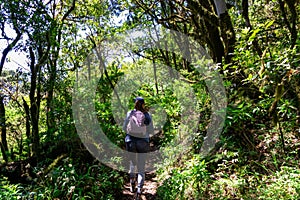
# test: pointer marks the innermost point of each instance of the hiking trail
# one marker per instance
(149, 189)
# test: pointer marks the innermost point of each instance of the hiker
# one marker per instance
(137, 141)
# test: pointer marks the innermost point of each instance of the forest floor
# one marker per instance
(149, 189)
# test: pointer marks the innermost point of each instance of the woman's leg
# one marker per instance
(142, 148)
(131, 147)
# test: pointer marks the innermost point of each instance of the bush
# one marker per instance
(190, 182)
(69, 181)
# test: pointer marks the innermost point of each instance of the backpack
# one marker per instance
(136, 126)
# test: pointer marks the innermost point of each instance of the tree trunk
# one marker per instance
(8, 49)
(34, 109)
(228, 35)
(155, 74)
(245, 14)
(207, 27)
(3, 152)
(291, 24)
(27, 113)
(3, 123)
(216, 44)
(294, 18)
(227, 30)
(55, 40)
(4, 146)
(51, 126)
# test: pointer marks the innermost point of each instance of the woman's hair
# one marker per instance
(138, 105)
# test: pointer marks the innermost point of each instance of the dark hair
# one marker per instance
(138, 105)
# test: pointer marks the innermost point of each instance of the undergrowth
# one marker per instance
(232, 173)
(68, 180)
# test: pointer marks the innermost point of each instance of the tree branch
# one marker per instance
(8, 49)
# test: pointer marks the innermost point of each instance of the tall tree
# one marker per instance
(8, 16)
(58, 23)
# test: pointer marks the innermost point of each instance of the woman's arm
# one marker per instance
(126, 121)
(149, 124)
(148, 119)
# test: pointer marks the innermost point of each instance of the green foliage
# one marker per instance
(239, 114)
(228, 174)
(70, 180)
(284, 184)
(94, 183)
(187, 182)
(9, 191)
(173, 188)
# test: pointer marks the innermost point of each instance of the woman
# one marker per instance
(138, 145)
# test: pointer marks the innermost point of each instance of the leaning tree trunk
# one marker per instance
(207, 24)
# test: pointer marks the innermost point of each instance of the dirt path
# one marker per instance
(149, 189)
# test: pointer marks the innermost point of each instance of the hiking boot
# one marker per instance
(138, 194)
(139, 191)
(132, 186)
